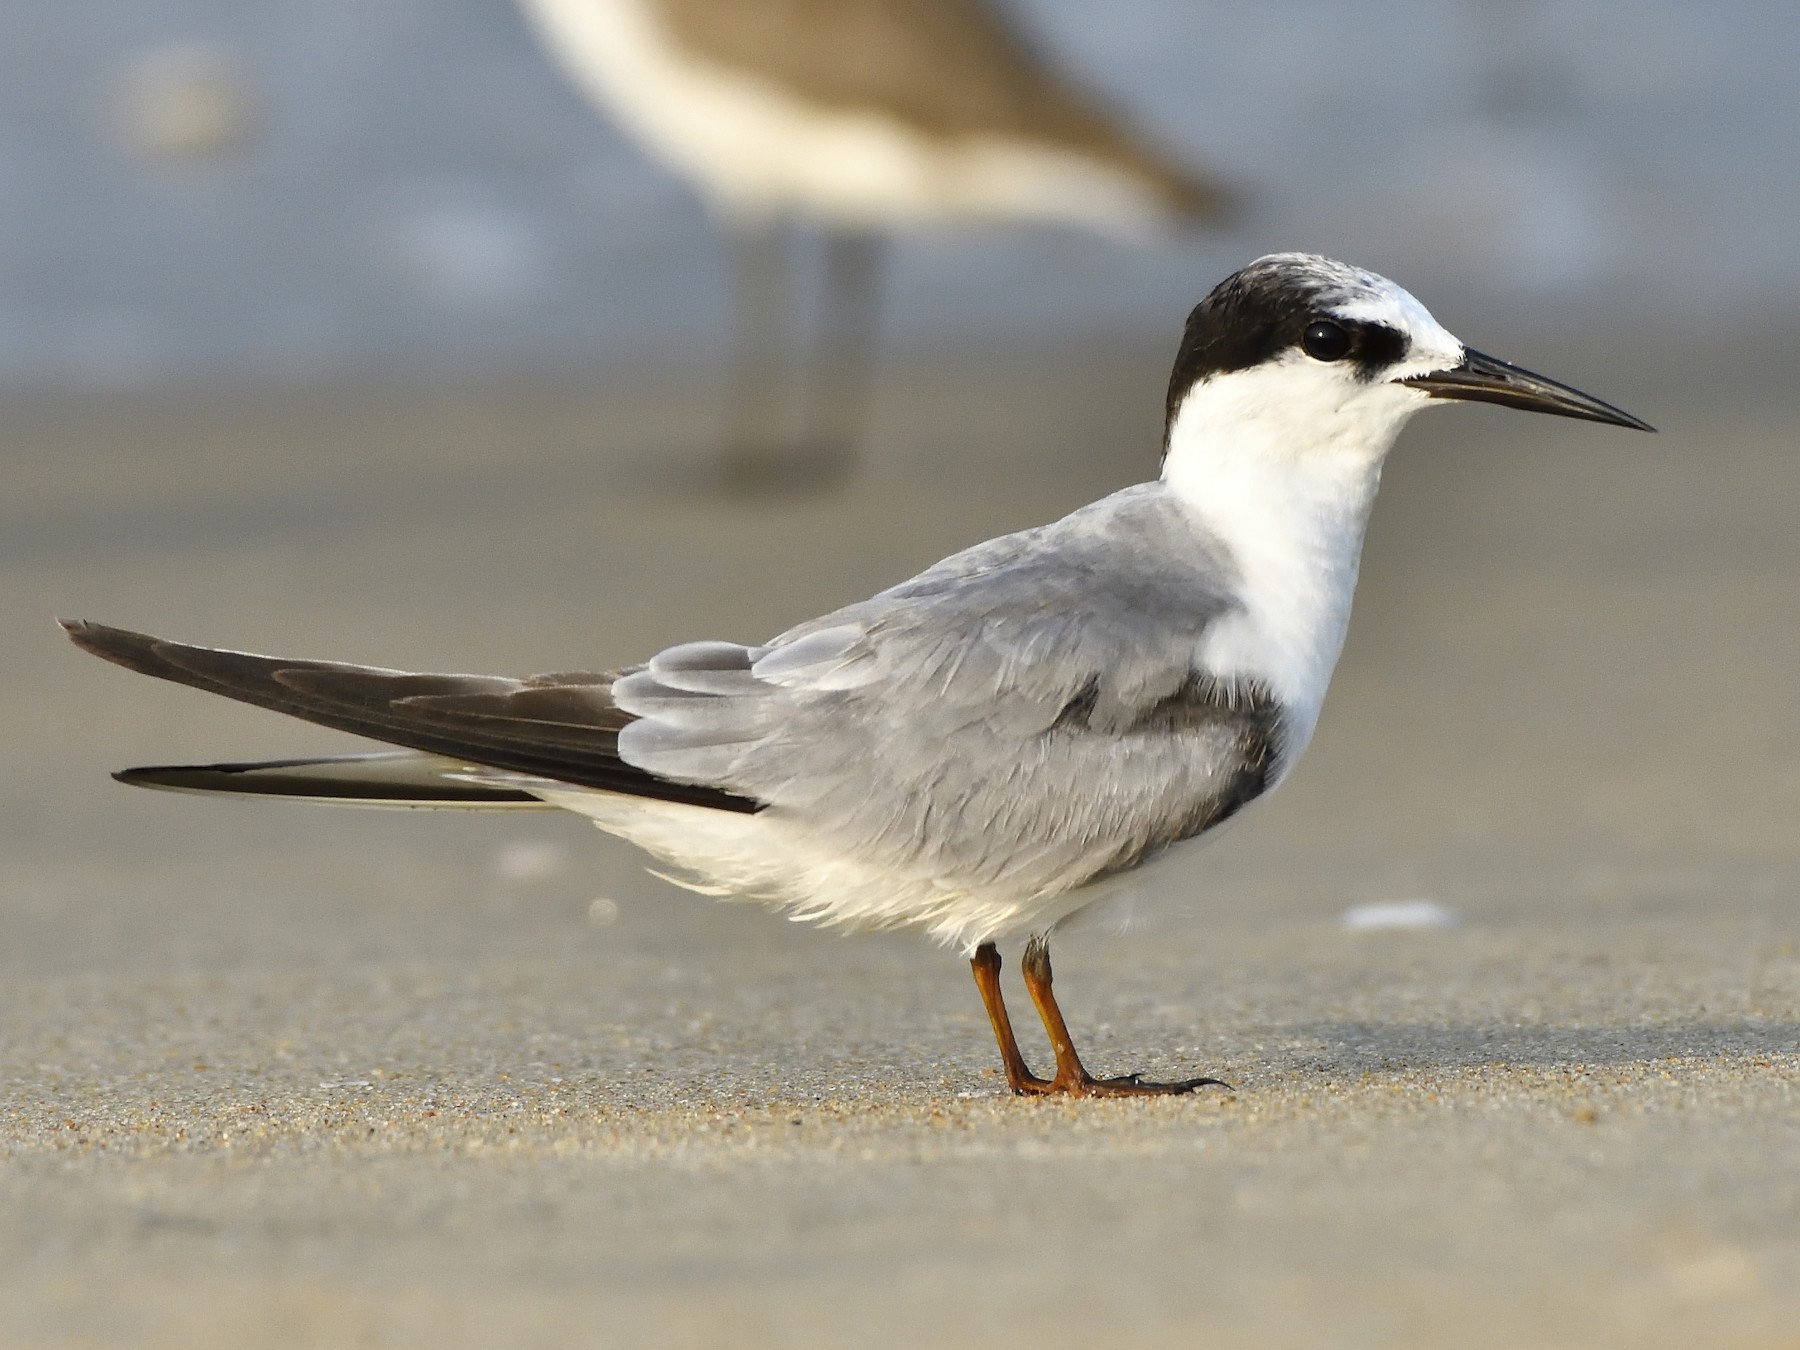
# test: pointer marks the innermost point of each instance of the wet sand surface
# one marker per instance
(309, 1077)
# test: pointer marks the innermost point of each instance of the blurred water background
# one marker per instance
(197, 192)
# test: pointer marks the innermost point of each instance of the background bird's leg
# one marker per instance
(754, 453)
(986, 965)
(1071, 1077)
(844, 350)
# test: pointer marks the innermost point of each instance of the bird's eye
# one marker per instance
(1326, 341)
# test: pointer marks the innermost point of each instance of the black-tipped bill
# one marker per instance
(1487, 379)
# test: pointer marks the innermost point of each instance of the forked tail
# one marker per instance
(395, 779)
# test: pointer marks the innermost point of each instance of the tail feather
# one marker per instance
(562, 728)
(398, 779)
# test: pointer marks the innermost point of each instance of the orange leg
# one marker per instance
(1019, 1077)
(1072, 1079)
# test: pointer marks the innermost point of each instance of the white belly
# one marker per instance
(765, 859)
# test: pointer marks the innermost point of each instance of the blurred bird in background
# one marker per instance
(862, 116)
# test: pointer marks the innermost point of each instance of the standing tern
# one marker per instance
(978, 751)
(863, 116)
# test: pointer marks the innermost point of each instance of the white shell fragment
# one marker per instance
(1388, 914)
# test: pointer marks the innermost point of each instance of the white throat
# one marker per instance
(1283, 472)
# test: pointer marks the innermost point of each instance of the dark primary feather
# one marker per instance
(463, 717)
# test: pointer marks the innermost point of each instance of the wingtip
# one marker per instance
(84, 633)
(121, 646)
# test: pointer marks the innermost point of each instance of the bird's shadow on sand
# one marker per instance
(1355, 1047)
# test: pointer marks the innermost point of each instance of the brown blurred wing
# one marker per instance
(950, 68)
(559, 727)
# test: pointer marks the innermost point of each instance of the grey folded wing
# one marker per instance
(1027, 714)
(559, 727)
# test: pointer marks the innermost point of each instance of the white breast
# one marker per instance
(756, 148)
(1292, 508)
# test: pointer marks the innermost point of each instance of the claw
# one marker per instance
(1072, 1078)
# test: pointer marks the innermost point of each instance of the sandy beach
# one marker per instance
(278, 1076)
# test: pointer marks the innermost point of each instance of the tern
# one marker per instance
(986, 749)
(863, 116)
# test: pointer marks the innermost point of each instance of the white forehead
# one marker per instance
(1367, 297)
